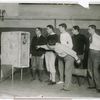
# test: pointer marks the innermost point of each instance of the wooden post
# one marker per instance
(55, 23)
(21, 73)
(12, 73)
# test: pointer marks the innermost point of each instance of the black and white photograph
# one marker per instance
(50, 50)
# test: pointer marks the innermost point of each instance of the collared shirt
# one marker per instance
(95, 45)
(39, 36)
(66, 39)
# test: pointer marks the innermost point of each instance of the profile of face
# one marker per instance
(38, 32)
(49, 30)
(61, 29)
(90, 30)
(74, 31)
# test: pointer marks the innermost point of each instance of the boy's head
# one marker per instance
(91, 29)
(62, 27)
(50, 28)
(75, 29)
(38, 31)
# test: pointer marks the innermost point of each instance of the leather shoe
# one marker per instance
(51, 83)
(48, 81)
(91, 87)
(65, 89)
(32, 79)
(98, 90)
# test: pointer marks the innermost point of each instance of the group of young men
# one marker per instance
(72, 47)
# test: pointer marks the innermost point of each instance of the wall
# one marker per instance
(42, 15)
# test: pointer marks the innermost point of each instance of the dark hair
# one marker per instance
(92, 26)
(40, 29)
(76, 27)
(63, 25)
(51, 27)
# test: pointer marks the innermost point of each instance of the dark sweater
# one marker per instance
(79, 42)
(52, 40)
(35, 42)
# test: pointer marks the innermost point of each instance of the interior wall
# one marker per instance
(59, 11)
(42, 15)
(44, 23)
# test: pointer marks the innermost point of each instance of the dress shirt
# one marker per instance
(66, 39)
(95, 45)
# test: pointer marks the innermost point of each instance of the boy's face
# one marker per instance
(74, 31)
(37, 32)
(61, 29)
(90, 30)
(49, 30)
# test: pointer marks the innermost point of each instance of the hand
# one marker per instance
(30, 55)
(51, 47)
(37, 47)
(78, 61)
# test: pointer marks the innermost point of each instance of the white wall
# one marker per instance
(60, 11)
(74, 14)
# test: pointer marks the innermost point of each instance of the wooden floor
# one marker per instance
(29, 88)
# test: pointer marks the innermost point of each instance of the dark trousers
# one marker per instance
(94, 68)
(37, 66)
(37, 62)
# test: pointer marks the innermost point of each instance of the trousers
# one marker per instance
(37, 62)
(50, 64)
(94, 68)
(67, 71)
